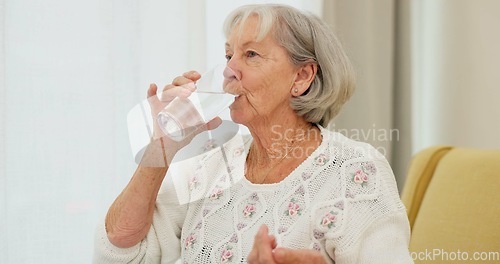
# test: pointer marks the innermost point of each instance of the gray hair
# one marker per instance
(307, 39)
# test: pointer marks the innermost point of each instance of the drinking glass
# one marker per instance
(208, 100)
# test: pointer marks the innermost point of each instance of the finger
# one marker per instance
(181, 80)
(188, 86)
(253, 256)
(285, 255)
(152, 90)
(151, 95)
(274, 243)
(214, 123)
(192, 75)
(170, 92)
(282, 255)
(258, 239)
(264, 246)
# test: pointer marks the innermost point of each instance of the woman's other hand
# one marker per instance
(265, 251)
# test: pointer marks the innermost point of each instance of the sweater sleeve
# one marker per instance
(376, 226)
(161, 244)
(105, 252)
(385, 241)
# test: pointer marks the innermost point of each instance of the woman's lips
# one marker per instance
(236, 98)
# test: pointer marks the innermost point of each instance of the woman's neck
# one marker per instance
(272, 139)
(279, 147)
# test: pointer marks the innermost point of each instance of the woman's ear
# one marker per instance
(304, 78)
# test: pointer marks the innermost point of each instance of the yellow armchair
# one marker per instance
(453, 200)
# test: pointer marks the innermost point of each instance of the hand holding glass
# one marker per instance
(204, 104)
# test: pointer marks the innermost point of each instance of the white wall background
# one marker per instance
(70, 72)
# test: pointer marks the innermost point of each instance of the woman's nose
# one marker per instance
(231, 74)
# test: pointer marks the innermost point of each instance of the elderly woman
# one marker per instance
(305, 195)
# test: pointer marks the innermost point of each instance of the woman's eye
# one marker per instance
(228, 57)
(251, 54)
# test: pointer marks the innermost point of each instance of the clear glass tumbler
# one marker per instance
(208, 100)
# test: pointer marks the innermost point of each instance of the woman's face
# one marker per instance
(267, 75)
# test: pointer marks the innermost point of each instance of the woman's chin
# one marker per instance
(238, 117)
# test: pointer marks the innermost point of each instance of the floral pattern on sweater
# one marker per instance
(321, 205)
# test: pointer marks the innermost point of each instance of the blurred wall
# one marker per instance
(456, 87)
(376, 36)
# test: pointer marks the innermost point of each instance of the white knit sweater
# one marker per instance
(341, 201)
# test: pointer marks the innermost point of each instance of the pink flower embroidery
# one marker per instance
(321, 159)
(329, 219)
(189, 241)
(249, 210)
(360, 177)
(226, 255)
(216, 193)
(293, 208)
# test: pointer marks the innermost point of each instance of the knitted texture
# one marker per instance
(341, 201)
